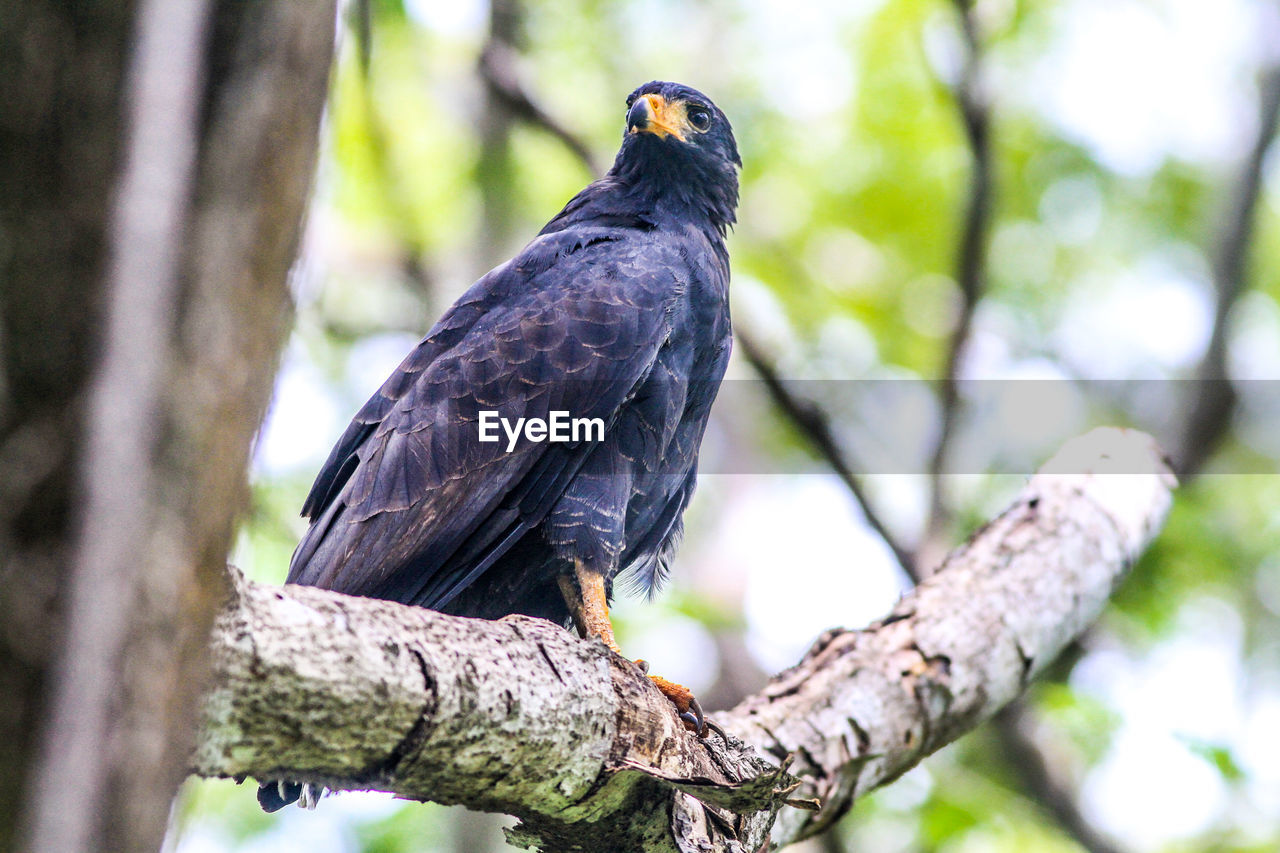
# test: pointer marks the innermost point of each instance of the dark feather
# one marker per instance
(618, 310)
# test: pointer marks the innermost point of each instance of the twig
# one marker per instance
(403, 221)
(975, 115)
(1023, 753)
(1215, 399)
(495, 169)
(362, 23)
(814, 425)
(498, 71)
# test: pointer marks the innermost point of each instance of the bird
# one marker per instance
(616, 315)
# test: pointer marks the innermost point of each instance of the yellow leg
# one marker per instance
(584, 592)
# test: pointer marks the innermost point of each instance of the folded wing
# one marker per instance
(411, 506)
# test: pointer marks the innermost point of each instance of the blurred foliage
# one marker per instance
(856, 174)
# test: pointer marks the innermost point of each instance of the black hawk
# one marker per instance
(618, 310)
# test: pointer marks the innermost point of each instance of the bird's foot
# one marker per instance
(588, 601)
(686, 703)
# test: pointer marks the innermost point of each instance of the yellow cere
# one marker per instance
(667, 117)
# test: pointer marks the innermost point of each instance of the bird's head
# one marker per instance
(678, 145)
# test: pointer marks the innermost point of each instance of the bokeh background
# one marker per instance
(951, 201)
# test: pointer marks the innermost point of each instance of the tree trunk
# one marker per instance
(167, 149)
(60, 72)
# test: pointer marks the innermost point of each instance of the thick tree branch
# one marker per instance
(521, 717)
(865, 706)
(1021, 751)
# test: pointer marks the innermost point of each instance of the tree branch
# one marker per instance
(1021, 751)
(975, 115)
(519, 716)
(1215, 399)
(498, 70)
(813, 423)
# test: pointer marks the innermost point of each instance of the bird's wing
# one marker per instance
(411, 506)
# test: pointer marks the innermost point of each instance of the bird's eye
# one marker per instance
(631, 99)
(699, 119)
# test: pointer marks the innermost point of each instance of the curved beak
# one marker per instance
(651, 114)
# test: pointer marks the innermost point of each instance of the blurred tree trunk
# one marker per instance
(60, 72)
(495, 169)
(163, 152)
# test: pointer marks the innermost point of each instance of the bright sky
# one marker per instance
(1139, 81)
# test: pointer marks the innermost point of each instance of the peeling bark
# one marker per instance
(521, 717)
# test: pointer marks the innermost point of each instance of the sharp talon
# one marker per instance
(644, 665)
(700, 720)
(689, 719)
(715, 727)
